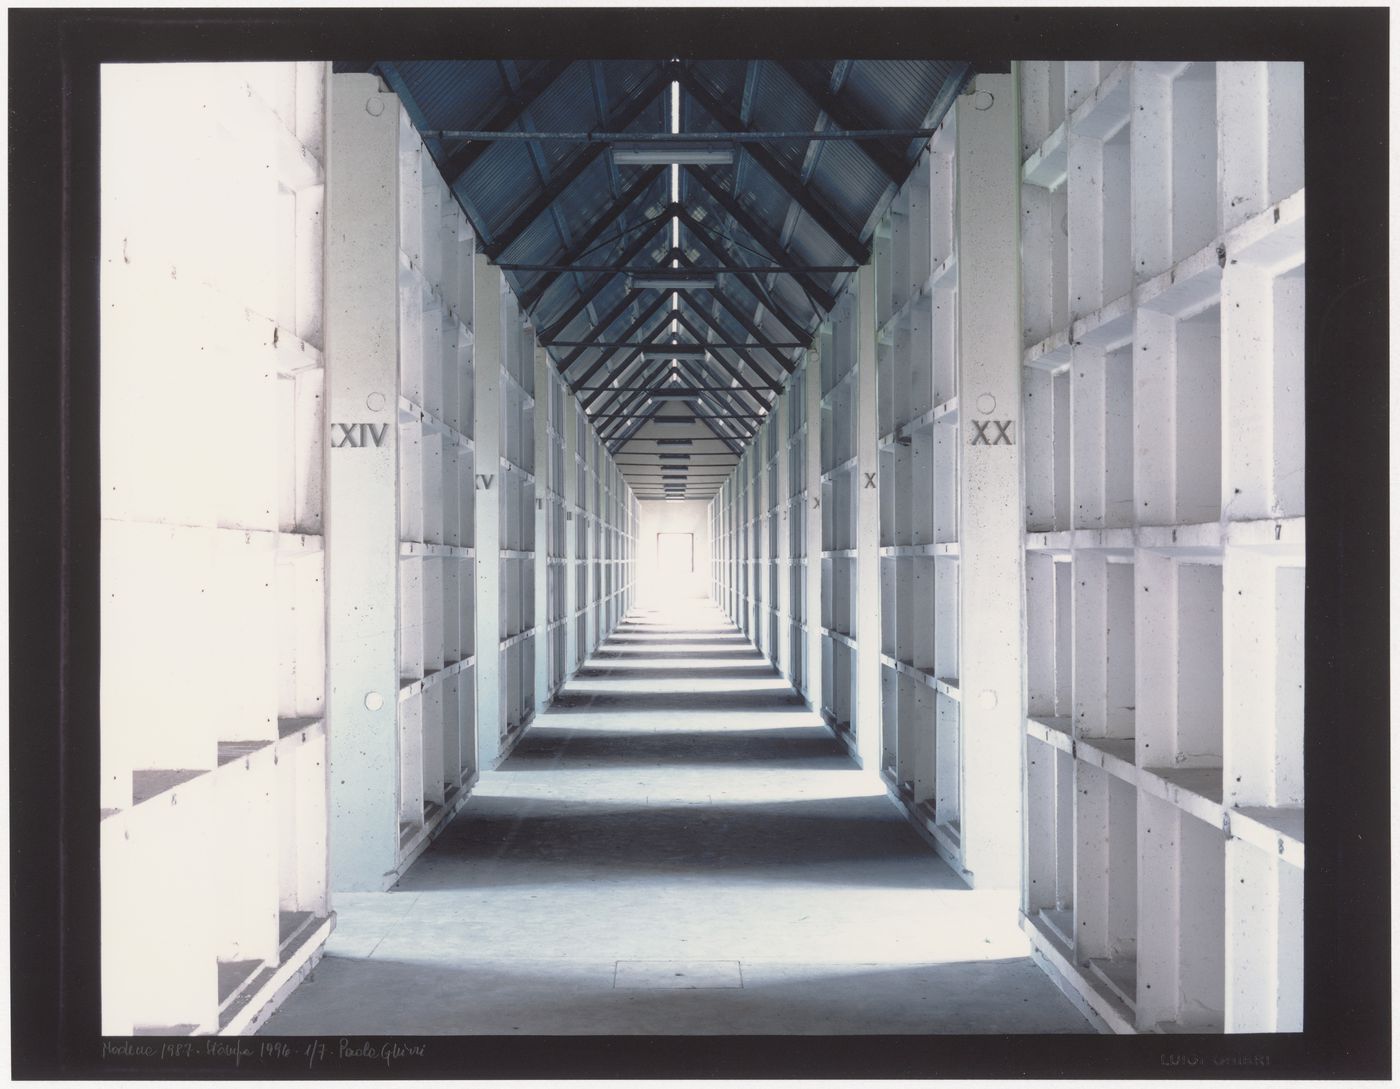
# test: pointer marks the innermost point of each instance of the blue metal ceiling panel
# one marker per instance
(538, 242)
(723, 78)
(848, 181)
(500, 183)
(789, 294)
(504, 177)
(897, 93)
(811, 244)
(568, 105)
(588, 198)
(780, 106)
(622, 78)
(453, 93)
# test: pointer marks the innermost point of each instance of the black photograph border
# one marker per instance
(55, 502)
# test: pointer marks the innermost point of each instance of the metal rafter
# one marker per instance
(623, 436)
(891, 164)
(600, 330)
(522, 98)
(687, 344)
(694, 459)
(597, 84)
(768, 380)
(629, 403)
(776, 250)
(648, 386)
(622, 369)
(749, 280)
(821, 215)
(615, 433)
(744, 320)
(761, 339)
(729, 443)
(588, 294)
(693, 410)
(755, 287)
(679, 391)
(611, 137)
(832, 85)
(727, 266)
(511, 77)
(535, 291)
(573, 168)
(729, 369)
(634, 472)
(727, 400)
(733, 444)
(605, 359)
(617, 442)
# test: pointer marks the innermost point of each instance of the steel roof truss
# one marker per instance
(776, 250)
(822, 216)
(571, 169)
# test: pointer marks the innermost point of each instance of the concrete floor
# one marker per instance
(677, 846)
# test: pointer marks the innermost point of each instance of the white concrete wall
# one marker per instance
(213, 698)
(1165, 538)
(670, 516)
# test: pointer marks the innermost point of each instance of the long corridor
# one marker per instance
(677, 846)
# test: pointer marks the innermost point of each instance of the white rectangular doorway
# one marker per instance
(675, 556)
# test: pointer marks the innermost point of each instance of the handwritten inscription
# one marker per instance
(1188, 1058)
(262, 1053)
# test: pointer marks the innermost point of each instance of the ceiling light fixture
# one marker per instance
(674, 352)
(678, 154)
(668, 281)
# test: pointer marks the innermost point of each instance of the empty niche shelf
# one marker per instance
(1164, 535)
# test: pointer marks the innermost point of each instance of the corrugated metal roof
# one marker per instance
(500, 183)
(532, 202)
(849, 181)
(780, 106)
(465, 91)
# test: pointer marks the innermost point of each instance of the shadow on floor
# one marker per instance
(675, 830)
(799, 748)
(539, 997)
(668, 674)
(854, 842)
(641, 654)
(636, 639)
(745, 701)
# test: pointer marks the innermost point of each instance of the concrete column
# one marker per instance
(486, 355)
(989, 600)
(543, 502)
(763, 591)
(784, 556)
(362, 487)
(570, 487)
(741, 543)
(812, 392)
(760, 494)
(866, 717)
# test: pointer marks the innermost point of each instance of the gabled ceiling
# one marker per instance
(530, 150)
